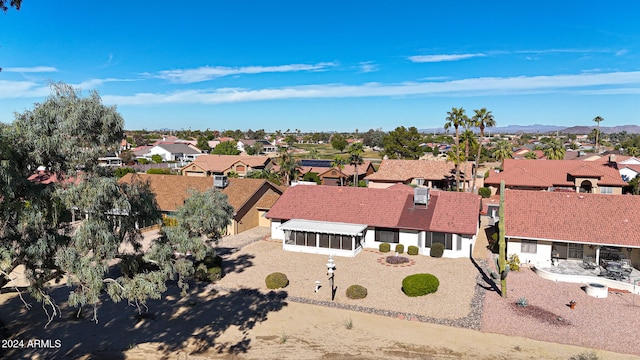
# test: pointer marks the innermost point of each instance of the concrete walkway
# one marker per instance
(232, 243)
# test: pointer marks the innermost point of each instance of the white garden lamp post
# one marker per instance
(331, 268)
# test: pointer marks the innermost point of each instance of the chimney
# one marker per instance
(612, 158)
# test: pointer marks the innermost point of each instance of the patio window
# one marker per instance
(388, 235)
(445, 239)
(324, 241)
(528, 246)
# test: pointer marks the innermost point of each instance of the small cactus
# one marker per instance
(522, 302)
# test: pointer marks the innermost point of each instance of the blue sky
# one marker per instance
(328, 65)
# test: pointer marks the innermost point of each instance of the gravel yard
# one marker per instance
(249, 266)
(612, 323)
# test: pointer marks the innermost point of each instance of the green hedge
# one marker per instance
(385, 247)
(420, 284)
(412, 250)
(437, 250)
(356, 292)
(276, 280)
(399, 248)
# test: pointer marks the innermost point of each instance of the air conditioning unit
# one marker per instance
(421, 196)
(420, 181)
(220, 181)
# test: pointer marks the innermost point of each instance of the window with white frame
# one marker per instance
(606, 190)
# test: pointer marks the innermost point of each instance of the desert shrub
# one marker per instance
(276, 280)
(209, 268)
(397, 260)
(356, 292)
(420, 284)
(412, 250)
(165, 171)
(214, 273)
(585, 356)
(385, 247)
(514, 262)
(485, 192)
(399, 248)
(437, 250)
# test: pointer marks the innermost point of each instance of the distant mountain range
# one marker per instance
(547, 129)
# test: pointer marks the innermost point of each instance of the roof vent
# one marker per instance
(220, 181)
(421, 196)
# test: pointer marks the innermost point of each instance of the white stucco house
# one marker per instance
(173, 152)
(541, 226)
(337, 220)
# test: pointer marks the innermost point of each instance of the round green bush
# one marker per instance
(214, 274)
(420, 284)
(485, 192)
(437, 250)
(412, 250)
(399, 248)
(356, 292)
(276, 280)
(385, 247)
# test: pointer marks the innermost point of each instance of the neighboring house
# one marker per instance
(266, 146)
(207, 165)
(250, 198)
(344, 220)
(539, 224)
(433, 174)
(173, 152)
(628, 166)
(331, 175)
(558, 175)
(110, 160)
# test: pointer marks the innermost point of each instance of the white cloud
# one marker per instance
(22, 89)
(35, 69)
(442, 57)
(94, 83)
(211, 72)
(368, 66)
(618, 82)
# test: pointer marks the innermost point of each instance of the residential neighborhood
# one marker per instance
(305, 180)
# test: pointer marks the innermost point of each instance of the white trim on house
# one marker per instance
(324, 227)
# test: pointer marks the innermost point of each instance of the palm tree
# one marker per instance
(455, 156)
(339, 162)
(355, 159)
(455, 118)
(633, 151)
(598, 119)
(482, 119)
(470, 142)
(554, 150)
(289, 166)
(503, 150)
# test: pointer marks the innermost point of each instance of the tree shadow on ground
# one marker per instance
(236, 264)
(489, 283)
(192, 324)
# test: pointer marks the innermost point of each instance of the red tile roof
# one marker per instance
(406, 170)
(172, 190)
(573, 217)
(546, 173)
(221, 163)
(393, 208)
